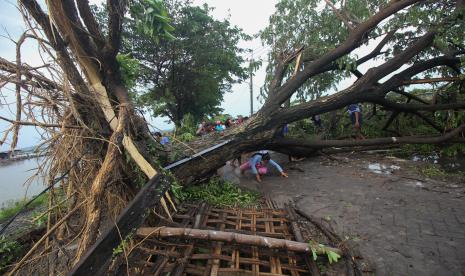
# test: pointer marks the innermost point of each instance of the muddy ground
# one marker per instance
(400, 221)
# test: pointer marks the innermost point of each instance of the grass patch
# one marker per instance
(10, 208)
(10, 251)
(219, 193)
(433, 171)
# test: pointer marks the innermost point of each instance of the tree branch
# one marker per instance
(65, 16)
(281, 68)
(42, 82)
(343, 18)
(64, 60)
(419, 107)
(303, 144)
(19, 110)
(410, 96)
(395, 113)
(90, 22)
(429, 121)
(377, 50)
(353, 41)
(398, 79)
(39, 124)
(116, 9)
(375, 74)
(364, 91)
(430, 80)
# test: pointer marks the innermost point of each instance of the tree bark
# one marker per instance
(231, 237)
(105, 174)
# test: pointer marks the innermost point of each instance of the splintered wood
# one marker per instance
(177, 256)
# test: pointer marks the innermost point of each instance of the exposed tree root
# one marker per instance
(105, 175)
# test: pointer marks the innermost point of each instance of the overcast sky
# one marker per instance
(251, 16)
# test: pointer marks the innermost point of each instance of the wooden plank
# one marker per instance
(206, 256)
(291, 256)
(276, 268)
(255, 268)
(200, 219)
(217, 251)
(236, 254)
(95, 261)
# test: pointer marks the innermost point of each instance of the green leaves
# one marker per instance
(314, 253)
(333, 257)
(123, 246)
(218, 193)
(315, 247)
(129, 68)
(152, 19)
(313, 25)
(188, 75)
(10, 250)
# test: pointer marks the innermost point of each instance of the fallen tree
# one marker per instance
(91, 114)
(301, 147)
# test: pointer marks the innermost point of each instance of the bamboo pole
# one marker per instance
(212, 235)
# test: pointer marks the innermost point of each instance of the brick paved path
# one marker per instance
(403, 226)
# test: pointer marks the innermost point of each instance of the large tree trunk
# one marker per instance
(101, 70)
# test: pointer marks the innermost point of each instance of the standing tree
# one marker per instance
(93, 123)
(189, 74)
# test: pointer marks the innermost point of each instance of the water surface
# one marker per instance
(14, 184)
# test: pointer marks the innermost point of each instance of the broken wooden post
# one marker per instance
(95, 261)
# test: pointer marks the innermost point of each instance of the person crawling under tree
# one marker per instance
(258, 163)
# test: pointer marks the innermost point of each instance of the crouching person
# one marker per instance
(258, 163)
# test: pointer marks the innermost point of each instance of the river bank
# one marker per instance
(12, 160)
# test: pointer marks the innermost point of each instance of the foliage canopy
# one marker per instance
(188, 74)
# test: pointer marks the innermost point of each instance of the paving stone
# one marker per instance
(460, 217)
(403, 230)
(426, 228)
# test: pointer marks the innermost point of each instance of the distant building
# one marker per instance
(9, 154)
(4, 155)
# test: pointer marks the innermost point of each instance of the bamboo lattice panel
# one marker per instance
(189, 257)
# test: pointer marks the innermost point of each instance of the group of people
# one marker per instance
(259, 161)
(219, 126)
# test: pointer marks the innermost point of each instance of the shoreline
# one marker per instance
(9, 161)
